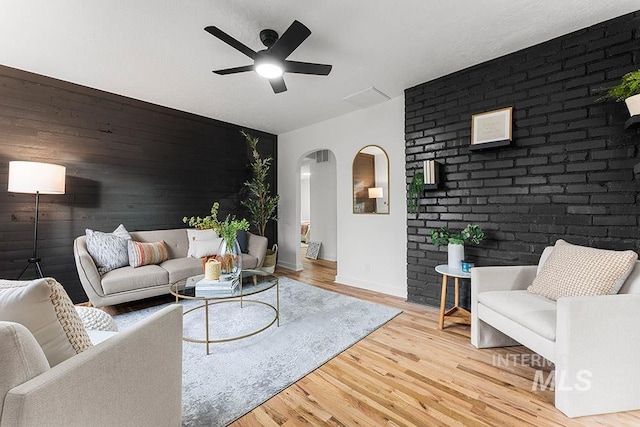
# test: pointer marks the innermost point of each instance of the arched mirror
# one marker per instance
(371, 181)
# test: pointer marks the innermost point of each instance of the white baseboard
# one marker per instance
(395, 289)
(289, 266)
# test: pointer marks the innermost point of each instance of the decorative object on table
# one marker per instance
(313, 250)
(229, 254)
(208, 288)
(215, 387)
(212, 269)
(628, 90)
(455, 241)
(491, 129)
(416, 187)
(261, 204)
(466, 266)
(36, 178)
(431, 173)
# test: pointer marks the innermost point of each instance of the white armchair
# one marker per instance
(594, 341)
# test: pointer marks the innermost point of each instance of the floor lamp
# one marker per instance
(36, 178)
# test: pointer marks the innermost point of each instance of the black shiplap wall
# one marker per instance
(568, 173)
(127, 161)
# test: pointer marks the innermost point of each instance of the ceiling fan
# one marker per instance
(272, 62)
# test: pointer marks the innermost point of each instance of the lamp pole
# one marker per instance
(34, 259)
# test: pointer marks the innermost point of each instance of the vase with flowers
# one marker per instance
(455, 242)
(229, 254)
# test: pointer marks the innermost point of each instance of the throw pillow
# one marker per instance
(243, 241)
(195, 238)
(108, 250)
(147, 253)
(43, 307)
(572, 270)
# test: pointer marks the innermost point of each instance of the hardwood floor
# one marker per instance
(408, 373)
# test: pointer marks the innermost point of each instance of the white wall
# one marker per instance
(371, 249)
(324, 207)
(305, 201)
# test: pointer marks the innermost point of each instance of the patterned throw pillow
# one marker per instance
(43, 307)
(572, 270)
(108, 250)
(147, 253)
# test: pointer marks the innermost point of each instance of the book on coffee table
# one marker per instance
(219, 286)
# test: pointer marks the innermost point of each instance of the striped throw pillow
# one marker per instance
(147, 253)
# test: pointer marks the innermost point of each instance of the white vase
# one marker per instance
(633, 105)
(456, 255)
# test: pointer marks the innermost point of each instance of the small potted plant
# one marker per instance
(455, 242)
(628, 90)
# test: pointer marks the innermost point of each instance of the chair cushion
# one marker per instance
(249, 262)
(181, 268)
(108, 250)
(572, 270)
(21, 356)
(534, 312)
(43, 307)
(146, 253)
(128, 278)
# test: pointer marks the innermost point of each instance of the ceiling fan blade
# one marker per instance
(278, 85)
(234, 70)
(307, 68)
(290, 40)
(217, 32)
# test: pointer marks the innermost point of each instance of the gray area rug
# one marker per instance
(315, 326)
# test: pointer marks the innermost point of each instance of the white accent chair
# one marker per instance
(594, 341)
(133, 378)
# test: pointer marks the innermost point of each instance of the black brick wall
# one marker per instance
(567, 174)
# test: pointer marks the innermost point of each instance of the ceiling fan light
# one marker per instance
(269, 70)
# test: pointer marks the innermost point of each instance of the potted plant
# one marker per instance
(628, 90)
(230, 256)
(416, 187)
(455, 242)
(260, 203)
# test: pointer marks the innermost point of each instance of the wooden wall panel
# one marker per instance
(127, 161)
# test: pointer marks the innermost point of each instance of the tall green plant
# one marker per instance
(261, 205)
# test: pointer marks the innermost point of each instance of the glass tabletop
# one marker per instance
(253, 282)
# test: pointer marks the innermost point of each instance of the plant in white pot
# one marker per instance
(628, 90)
(455, 242)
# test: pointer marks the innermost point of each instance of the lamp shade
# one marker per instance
(375, 193)
(35, 177)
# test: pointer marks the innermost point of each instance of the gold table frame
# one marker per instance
(179, 290)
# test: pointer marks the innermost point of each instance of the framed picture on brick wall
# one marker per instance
(491, 129)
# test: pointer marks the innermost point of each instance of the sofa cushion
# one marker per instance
(108, 250)
(128, 278)
(197, 242)
(146, 253)
(249, 262)
(181, 268)
(534, 312)
(572, 270)
(21, 355)
(43, 307)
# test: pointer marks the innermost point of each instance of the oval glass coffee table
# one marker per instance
(252, 282)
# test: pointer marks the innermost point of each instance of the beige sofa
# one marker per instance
(594, 341)
(132, 378)
(128, 284)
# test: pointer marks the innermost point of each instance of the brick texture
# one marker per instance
(567, 174)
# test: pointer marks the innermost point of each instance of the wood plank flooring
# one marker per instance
(408, 373)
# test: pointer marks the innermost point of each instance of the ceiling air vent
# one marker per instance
(366, 98)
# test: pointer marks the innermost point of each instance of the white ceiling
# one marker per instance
(157, 50)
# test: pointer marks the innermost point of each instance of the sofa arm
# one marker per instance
(597, 347)
(87, 271)
(503, 278)
(257, 247)
(132, 378)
